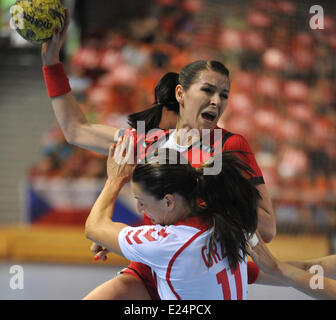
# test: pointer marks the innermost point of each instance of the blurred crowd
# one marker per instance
(282, 91)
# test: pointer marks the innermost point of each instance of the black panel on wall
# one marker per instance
(93, 15)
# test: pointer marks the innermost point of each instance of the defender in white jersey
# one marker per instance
(197, 244)
(177, 255)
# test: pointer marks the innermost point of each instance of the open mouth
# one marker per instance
(208, 116)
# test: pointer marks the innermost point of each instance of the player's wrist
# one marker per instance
(51, 62)
(115, 181)
(56, 80)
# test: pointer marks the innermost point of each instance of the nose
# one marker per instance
(216, 99)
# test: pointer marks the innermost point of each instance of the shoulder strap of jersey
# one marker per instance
(212, 144)
(157, 136)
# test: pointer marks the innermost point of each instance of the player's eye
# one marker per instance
(207, 90)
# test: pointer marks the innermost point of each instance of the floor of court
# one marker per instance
(73, 282)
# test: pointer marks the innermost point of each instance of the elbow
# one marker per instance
(94, 229)
(266, 224)
(70, 136)
(267, 227)
(272, 228)
(89, 230)
(74, 131)
(69, 139)
(269, 236)
(269, 233)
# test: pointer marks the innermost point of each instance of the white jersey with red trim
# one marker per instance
(178, 257)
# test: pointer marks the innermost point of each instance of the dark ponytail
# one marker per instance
(164, 94)
(230, 201)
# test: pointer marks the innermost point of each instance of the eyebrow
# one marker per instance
(213, 86)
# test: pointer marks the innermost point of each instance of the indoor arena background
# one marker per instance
(282, 100)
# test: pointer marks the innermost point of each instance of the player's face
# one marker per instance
(205, 101)
(147, 204)
(166, 211)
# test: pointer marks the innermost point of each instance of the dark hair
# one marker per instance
(228, 200)
(164, 92)
(190, 72)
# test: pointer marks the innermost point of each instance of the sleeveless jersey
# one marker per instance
(219, 140)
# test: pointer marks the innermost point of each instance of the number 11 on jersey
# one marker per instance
(223, 280)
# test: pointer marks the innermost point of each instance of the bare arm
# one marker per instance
(269, 280)
(266, 218)
(71, 119)
(99, 226)
(301, 280)
(327, 263)
(282, 273)
(77, 130)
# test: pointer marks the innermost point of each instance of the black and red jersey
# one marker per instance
(216, 141)
(211, 143)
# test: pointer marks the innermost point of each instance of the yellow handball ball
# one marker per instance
(35, 20)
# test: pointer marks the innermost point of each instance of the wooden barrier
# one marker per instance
(299, 247)
(49, 244)
(69, 245)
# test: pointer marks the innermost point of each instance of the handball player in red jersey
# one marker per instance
(198, 96)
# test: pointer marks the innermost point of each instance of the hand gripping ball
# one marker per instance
(35, 20)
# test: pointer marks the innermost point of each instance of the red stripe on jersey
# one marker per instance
(127, 237)
(155, 279)
(195, 222)
(223, 280)
(209, 145)
(238, 281)
(163, 233)
(147, 221)
(173, 259)
(136, 238)
(148, 235)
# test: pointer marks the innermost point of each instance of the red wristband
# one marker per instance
(252, 272)
(56, 80)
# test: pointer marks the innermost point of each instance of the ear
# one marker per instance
(169, 202)
(179, 94)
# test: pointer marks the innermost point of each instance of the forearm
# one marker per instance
(99, 226)
(327, 263)
(77, 130)
(68, 115)
(270, 280)
(266, 218)
(301, 280)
